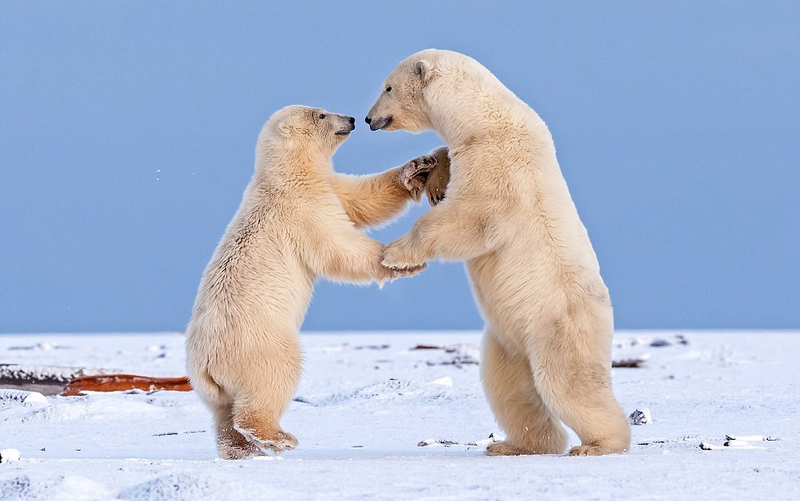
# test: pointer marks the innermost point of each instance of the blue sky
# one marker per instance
(127, 132)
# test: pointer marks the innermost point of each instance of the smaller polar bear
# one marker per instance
(508, 214)
(297, 221)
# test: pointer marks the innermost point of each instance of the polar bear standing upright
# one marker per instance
(509, 215)
(297, 221)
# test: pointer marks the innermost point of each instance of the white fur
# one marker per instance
(508, 213)
(297, 222)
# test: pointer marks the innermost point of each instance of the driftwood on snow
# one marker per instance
(70, 381)
(124, 382)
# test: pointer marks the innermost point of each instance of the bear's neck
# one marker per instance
(466, 112)
(292, 157)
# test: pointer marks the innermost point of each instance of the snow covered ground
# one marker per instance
(367, 401)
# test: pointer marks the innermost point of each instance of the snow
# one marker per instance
(29, 398)
(377, 419)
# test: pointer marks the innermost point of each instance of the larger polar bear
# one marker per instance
(298, 221)
(509, 215)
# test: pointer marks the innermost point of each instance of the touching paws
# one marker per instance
(395, 273)
(429, 173)
(386, 274)
(389, 274)
(438, 177)
(398, 256)
(413, 175)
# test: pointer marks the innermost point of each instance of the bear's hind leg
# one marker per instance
(262, 429)
(258, 408)
(231, 443)
(577, 387)
(508, 382)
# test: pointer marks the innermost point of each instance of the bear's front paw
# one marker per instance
(436, 184)
(395, 273)
(504, 448)
(398, 256)
(414, 174)
(595, 450)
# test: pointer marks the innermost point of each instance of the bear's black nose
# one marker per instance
(352, 120)
(368, 120)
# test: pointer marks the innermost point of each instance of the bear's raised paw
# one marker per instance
(414, 174)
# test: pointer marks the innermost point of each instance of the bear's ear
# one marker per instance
(422, 69)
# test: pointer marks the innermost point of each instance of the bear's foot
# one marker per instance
(276, 441)
(236, 452)
(595, 450)
(505, 449)
(234, 445)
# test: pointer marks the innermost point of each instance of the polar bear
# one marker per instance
(297, 221)
(509, 215)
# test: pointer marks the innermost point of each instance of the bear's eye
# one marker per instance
(322, 116)
(388, 88)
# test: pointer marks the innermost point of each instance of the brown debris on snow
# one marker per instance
(47, 380)
(628, 363)
(447, 349)
(124, 382)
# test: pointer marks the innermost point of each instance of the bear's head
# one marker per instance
(401, 104)
(310, 127)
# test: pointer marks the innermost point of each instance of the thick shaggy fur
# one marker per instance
(297, 221)
(509, 215)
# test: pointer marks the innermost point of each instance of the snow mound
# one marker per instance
(72, 487)
(175, 487)
(395, 390)
(89, 408)
(27, 398)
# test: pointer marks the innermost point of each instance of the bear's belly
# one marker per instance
(528, 294)
(271, 296)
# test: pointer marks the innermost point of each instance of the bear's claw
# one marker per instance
(414, 173)
(396, 257)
